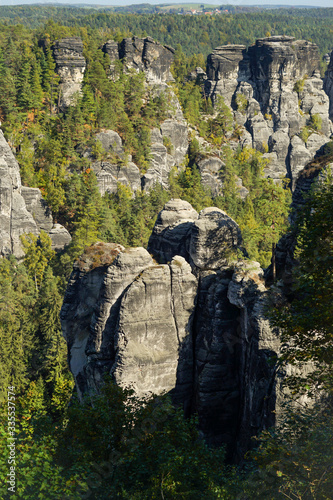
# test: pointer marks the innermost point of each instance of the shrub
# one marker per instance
(328, 148)
(241, 102)
(316, 122)
(304, 134)
(168, 144)
(299, 85)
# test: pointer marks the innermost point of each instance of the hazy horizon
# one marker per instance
(112, 3)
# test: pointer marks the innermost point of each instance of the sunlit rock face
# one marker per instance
(183, 317)
(282, 92)
(22, 209)
(142, 54)
(70, 66)
(15, 219)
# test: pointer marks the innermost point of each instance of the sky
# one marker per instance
(290, 3)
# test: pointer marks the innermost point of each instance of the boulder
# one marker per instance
(111, 142)
(109, 175)
(171, 233)
(38, 208)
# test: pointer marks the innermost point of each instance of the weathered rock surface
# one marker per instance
(192, 325)
(173, 133)
(15, 219)
(198, 76)
(210, 168)
(308, 178)
(60, 237)
(169, 143)
(172, 231)
(38, 208)
(111, 142)
(214, 236)
(280, 84)
(70, 66)
(328, 84)
(109, 175)
(222, 71)
(22, 209)
(142, 54)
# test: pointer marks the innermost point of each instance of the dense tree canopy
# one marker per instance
(66, 451)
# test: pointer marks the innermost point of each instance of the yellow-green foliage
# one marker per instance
(299, 85)
(265, 147)
(241, 102)
(168, 144)
(304, 134)
(316, 122)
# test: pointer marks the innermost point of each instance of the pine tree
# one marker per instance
(36, 86)
(7, 87)
(38, 253)
(25, 98)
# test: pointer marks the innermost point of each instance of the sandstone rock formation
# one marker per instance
(309, 178)
(60, 237)
(328, 83)
(173, 133)
(169, 143)
(38, 208)
(22, 209)
(118, 169)
(191, 325)
(70, 66)
(110, 174)
(14, 216)
(142, 54)
(210, 168)
(280, 88)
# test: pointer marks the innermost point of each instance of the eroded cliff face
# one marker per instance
(274, 89)
(191, 324)
(142, 54)
(328, 82)
(122, 169)
(70, 66)
(22, 209)
(277, 80)
(154, 60)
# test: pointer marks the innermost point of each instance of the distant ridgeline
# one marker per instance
(197, 33)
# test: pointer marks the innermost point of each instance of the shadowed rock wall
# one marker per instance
(191, 324)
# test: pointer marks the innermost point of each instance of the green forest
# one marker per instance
(102, 449)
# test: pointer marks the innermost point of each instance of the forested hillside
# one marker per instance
(196, 34)
(119, 446)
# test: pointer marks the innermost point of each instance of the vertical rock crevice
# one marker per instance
(192, 325)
